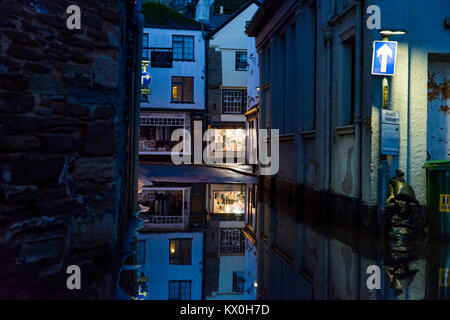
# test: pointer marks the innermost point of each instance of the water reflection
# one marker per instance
(198, 240)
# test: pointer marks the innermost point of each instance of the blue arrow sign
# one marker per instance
(146, 79)
(383, 58)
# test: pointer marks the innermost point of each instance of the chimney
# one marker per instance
(221, 9)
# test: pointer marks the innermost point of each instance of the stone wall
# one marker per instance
(62, 147)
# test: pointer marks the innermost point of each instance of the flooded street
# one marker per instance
(216, 241)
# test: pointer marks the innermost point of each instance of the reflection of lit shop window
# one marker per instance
(230, 139)
(180, 251)
(180, 289)
(140, 251)
(156, 130)
(251, 207)
(238, 281)
(229, 202)
(231, 240)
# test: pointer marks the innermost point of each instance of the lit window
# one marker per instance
(180, 251)
(183, 89)
(183, 48)
(238, 281)
(229, 202)
(234, 101)
(180, 290)
(231, 241)
(241, 61)
(230, 139)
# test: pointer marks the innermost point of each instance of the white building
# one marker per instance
(172, 263)
(174, 57)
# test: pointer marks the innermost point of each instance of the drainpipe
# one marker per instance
(358, 99)
(328, 117)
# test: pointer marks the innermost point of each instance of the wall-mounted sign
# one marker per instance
(390, 132)
(383, 58)
(146, 79)
(161, 59)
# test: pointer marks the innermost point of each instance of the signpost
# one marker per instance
(384, 57)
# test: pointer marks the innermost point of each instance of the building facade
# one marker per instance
(317, 89)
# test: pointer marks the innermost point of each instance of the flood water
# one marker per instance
(211, 241)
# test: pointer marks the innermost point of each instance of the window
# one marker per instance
(241, 61)
(231, 240)
(183, 48)
(230, 140)
(180, 290)
(180, 251)
(140, 251)
(234, 101)
(156, 130)
(347, 84)
(229, 202)
(238, 281)
(145, 47)
(183, 89)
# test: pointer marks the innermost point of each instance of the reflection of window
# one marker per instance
(183, 89)
(156, 130)
(180, 290)
(140, 251)
(145, 46)
(229, 202)
(164, 202)
(180, 251)
(241, 61)
(238, 281)
(233, 101)
(231, 240)
(230, 139)
(183, 47)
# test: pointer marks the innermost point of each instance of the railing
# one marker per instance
(165, 220)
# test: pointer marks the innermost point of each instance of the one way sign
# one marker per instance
(383, 58)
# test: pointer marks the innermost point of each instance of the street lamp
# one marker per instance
(386, 33)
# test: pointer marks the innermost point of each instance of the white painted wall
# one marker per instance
(230, 39)
(161, 84)
(159, 271)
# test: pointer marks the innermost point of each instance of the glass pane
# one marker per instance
(188, 90)
(188, 48)
(177, 46)
(176, 92)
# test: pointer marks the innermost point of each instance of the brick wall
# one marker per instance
(62, 147)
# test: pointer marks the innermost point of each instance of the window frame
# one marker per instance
(241, 242)
(243, 101)
(236, 64)
(236, 286)
(182, 90)
(178, 283)
(180, 255)
(182, 47)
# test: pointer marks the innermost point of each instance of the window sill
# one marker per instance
(182, 102)
(308, 135)
(286, 137)
(345, 130)
(183, 60)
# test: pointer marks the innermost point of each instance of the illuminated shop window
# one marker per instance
(180, 251)
(230, 139)
(231, 241)
(156, 130)
(229, 202)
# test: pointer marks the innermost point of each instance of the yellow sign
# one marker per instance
(444, 205)
(444, 277)
(146, 91)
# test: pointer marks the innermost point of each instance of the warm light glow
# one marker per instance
(255, 284)
(172, 247)
(175, 93)
(387, 33)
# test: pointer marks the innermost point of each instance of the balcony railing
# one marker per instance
(165, 222)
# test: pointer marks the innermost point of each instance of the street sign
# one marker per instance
(390, 132)
(383, 58)
(146, 79)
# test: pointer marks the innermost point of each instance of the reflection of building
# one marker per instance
(317, 89)
(172, 262)
(174, 48)
(227, 80)
(225, 274)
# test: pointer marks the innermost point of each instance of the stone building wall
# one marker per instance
(62, 147)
